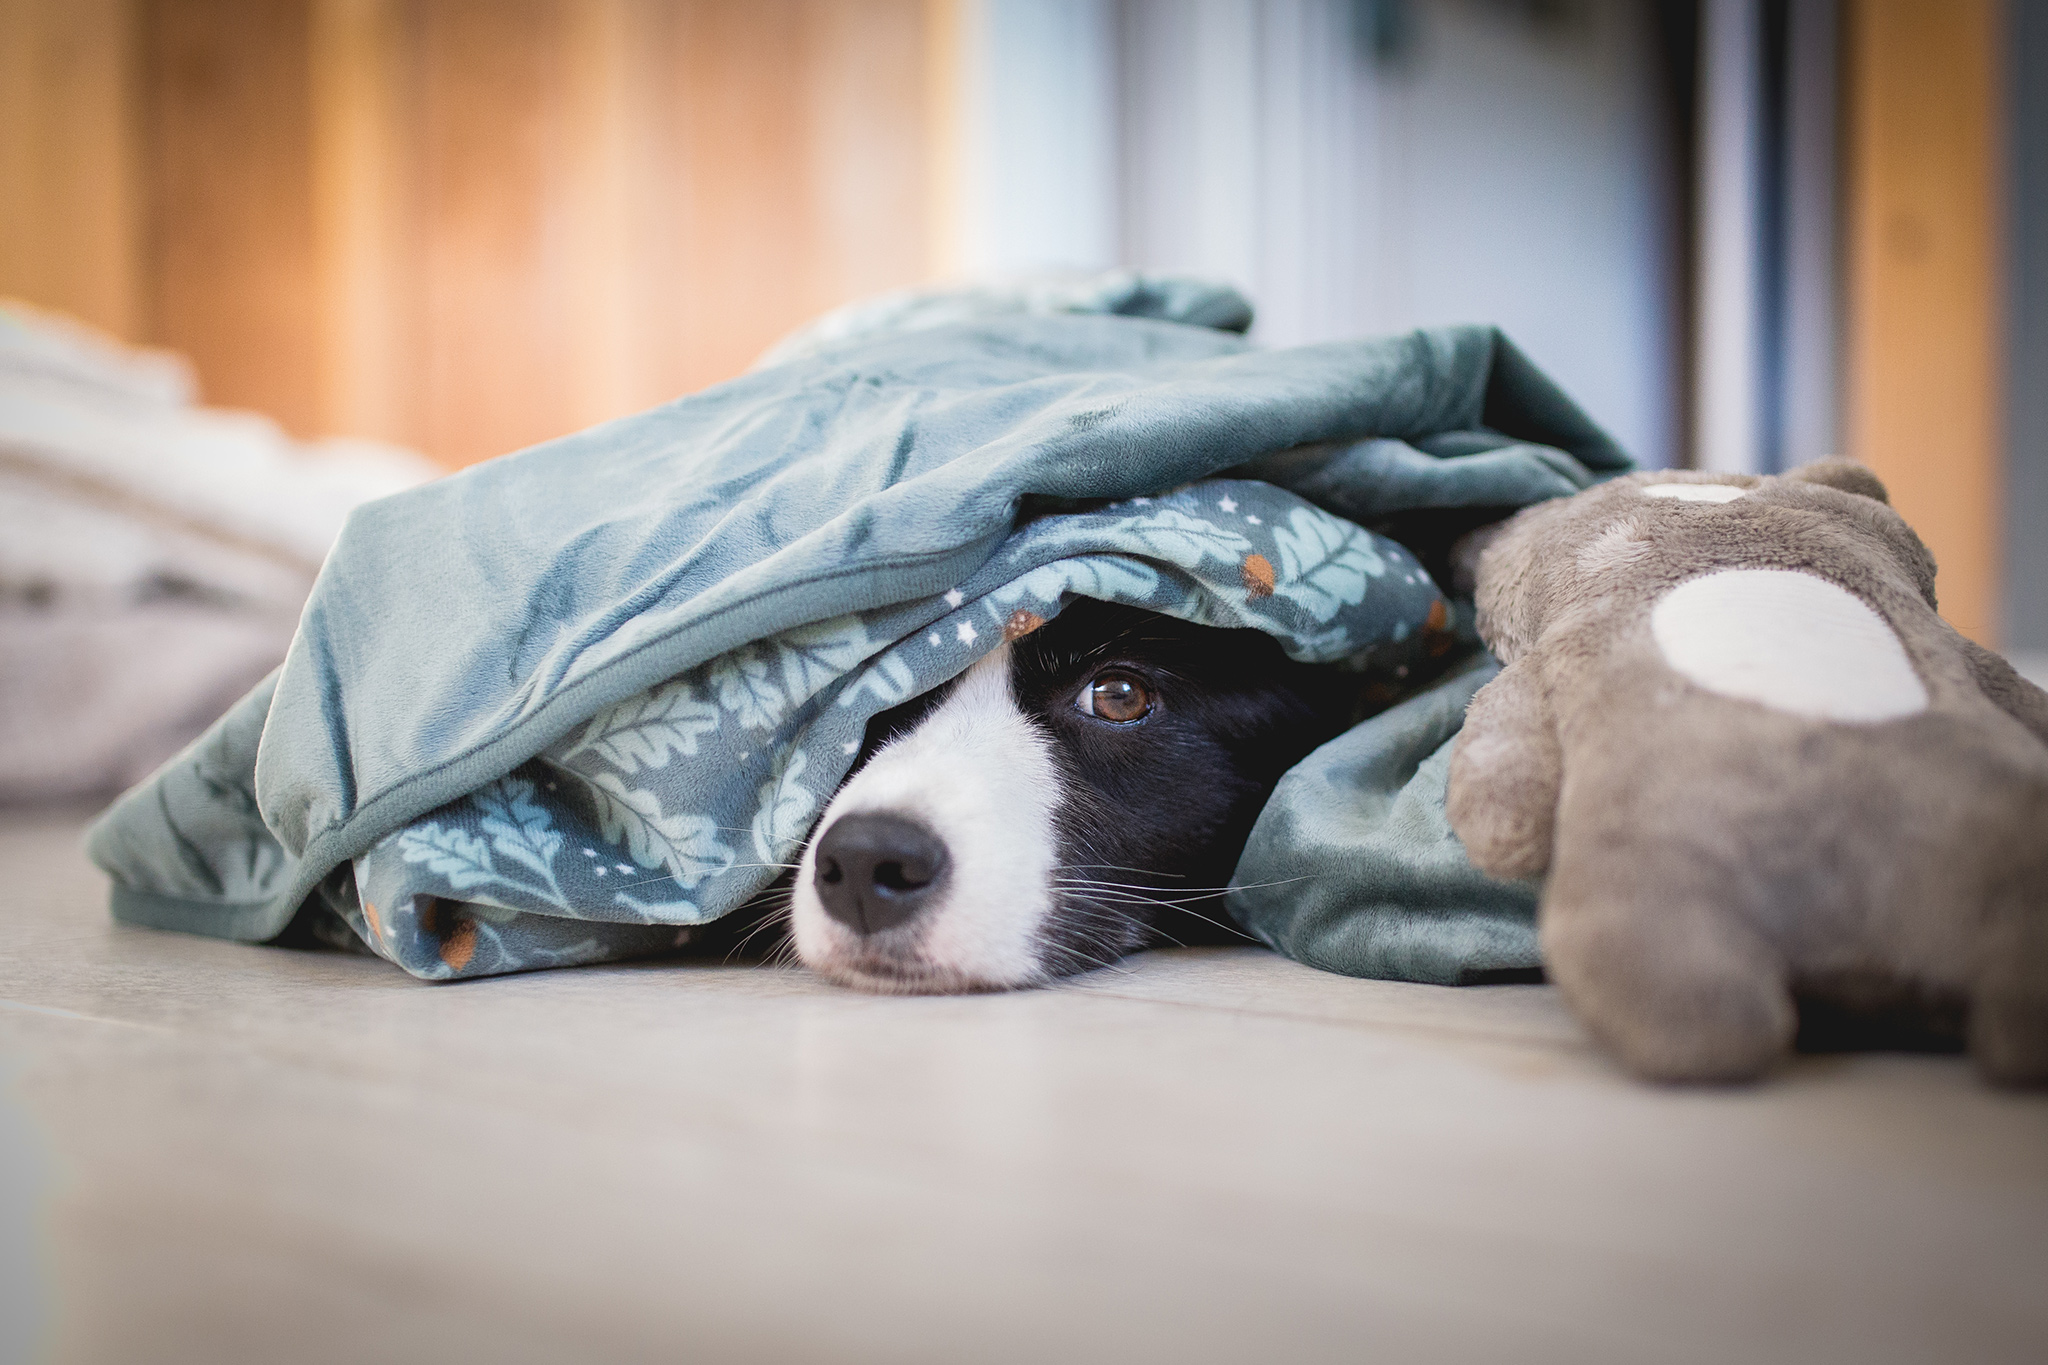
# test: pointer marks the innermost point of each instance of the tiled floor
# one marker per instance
(247, 1154)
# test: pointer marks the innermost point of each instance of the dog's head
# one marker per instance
(1069, 797)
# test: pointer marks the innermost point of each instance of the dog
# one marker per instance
(1075, 795)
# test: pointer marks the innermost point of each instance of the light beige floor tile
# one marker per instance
(242, 1153)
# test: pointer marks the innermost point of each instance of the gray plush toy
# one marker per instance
(1759, 770)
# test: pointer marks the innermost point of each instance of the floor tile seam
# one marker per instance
(332, 1070)
(74, 1016)
(1573, 1047)
(1491, 1036)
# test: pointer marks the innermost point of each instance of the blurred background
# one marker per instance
(1743, 233)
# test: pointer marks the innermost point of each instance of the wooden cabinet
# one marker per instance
(464, 225)
(1925, 280)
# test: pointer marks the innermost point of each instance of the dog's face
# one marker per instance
(1068, 798)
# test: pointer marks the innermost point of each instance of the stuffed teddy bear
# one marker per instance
(1760, 773)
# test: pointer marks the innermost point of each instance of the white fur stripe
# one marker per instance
(979, 774)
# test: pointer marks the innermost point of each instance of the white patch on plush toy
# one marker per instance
(1791, 641)
(1695, 492)
(1617, 547)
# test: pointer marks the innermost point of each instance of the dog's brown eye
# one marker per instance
(1116, 697)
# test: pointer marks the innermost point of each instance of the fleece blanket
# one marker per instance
(566, 705)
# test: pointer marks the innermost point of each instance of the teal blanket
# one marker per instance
(565, 705)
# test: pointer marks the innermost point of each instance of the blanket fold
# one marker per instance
(564, 705)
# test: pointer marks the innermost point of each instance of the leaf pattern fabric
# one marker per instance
(646, 731)
(567, 705)
(680, 805)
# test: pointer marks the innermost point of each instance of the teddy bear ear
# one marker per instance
(1847, 475)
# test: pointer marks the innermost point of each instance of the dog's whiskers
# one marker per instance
(1193, 892)
(773, 919)
(670, 876)
(1105, 896)
(1143, 893)
(1118, 867)
(1072, 950)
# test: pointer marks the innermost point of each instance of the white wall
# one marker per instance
(1767, 387)
(1502, 170)
(1249, 155)
(1038, 154)
(1522, 183)
(1728, 422)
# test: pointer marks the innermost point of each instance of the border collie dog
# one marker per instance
(1071, 797)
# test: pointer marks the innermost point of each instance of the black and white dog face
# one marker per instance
(1072, 796)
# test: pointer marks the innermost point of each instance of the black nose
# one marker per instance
(875, 871)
